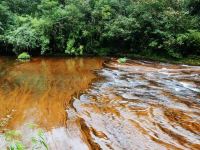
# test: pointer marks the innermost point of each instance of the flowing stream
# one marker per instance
(90, 103)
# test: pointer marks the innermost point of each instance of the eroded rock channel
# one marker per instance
(84, 103)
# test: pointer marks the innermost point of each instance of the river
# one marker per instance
(90, 103)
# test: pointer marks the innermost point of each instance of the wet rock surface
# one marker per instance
(143, 105)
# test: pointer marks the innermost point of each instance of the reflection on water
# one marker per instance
(40, 91)
(138, 105)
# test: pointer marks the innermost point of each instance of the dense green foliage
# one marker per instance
(103, 27)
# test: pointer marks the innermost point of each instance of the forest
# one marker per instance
(169, 28)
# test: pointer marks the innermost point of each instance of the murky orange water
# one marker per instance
(137, 105)
(40, 91)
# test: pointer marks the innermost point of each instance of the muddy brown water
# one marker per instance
(85, 103)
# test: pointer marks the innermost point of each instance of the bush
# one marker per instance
(24, 56)
(122, 60)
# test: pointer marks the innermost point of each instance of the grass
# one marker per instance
(14, 142)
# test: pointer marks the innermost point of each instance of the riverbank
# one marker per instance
(190, 60)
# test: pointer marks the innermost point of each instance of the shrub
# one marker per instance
(72, 50)
(122, 60)
(24, 56)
